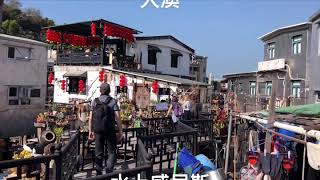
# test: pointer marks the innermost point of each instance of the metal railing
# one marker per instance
(158, 125)
(204, 128)
(143, 166)
(163, 146)
(65, 163)
(80, 58)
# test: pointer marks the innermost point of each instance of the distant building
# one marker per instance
(165, 55)
(285, 63)
(198, 69)
(291, 62)
(313, 59)
(244, 86)
(23, 82)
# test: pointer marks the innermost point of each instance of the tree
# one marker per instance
(1, 10)
(26, 23)
(10, 27)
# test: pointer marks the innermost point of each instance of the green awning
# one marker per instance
(311, 110)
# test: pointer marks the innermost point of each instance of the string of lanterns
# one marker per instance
(55, 37)
(76, 40)
(81, 86)
(123, 81)
(50, 78)
(101, 75)
(63, 85)
(155, 87)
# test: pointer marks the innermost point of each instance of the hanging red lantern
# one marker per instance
(81, 86)
(63, 85)
(101, 75)
(155, 87)
(93, 29)
(50, 78)
(123, 81)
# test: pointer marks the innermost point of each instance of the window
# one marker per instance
(11, 52)
(252, 88)
(13, 96)
(318, 39)
(164, 91)
(271, 50)
(35, 93)
(121, 90)
(174, 61)
(20, 95)
(152, 57)
(19, 53)
(268, 88)
(296, 89)
(317, 93)
(73, 85)
(24, 95)
(204, 69)
(296, 44)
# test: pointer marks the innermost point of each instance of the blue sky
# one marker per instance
(226, 31)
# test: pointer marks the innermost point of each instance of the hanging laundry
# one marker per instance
(249, 173)
(275, 165)
(313, 151)
(313, 174)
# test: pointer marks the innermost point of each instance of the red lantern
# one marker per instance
(123, 81)
(63, 85)
(93, 29)
(81, 86)
(50, 78)
(155, 87)
(101, 75)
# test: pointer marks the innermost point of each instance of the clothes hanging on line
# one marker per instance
(313, 153)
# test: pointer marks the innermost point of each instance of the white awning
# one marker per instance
(76, 74)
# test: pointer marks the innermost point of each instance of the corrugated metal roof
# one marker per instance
(161, 77)
(21, 39)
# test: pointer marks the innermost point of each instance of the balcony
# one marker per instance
(95, 58)
(77, 58)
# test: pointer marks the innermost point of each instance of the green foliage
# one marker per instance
(23, 22)
(10, 27)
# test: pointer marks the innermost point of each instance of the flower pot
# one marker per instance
(47, 137)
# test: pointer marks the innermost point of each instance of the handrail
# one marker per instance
(63, 167)
(20, 162)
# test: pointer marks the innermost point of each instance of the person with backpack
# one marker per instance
(176, 111)
(104, 115)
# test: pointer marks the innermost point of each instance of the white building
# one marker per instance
(23, 82)
(138, 84)
(164, 54)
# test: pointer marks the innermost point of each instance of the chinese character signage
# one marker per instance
(163, 4)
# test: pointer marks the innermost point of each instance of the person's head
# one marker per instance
(174, 98)
(105, 89)
(187, 97)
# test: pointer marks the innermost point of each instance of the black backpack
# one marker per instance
(103, 118)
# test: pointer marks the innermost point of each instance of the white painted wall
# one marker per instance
(93, 84)
(164, 58)
(18, 119)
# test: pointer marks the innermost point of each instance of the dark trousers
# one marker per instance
(187, 115)
(102, 140)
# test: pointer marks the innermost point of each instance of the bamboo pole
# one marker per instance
(228, 144)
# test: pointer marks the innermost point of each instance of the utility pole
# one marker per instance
(271, 117)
